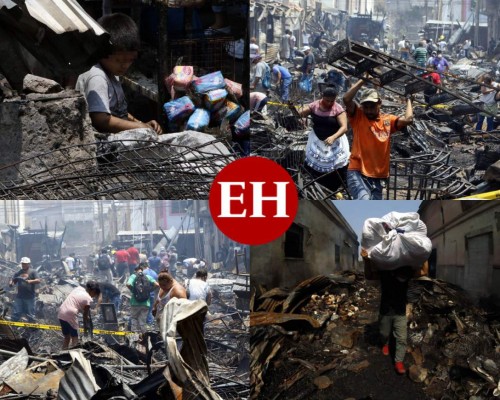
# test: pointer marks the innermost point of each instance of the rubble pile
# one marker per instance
(468, 338)
(439, 156)
(213, 357)
(324, 334)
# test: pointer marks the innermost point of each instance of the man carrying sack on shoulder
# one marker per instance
(395, 250)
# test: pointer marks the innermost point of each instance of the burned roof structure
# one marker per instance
(60, 35)
(320, 339)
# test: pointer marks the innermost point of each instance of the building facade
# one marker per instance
(320, 241)
(465, 237)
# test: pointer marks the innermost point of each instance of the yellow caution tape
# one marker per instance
(495, 195)
(277, 104)
(58, 328)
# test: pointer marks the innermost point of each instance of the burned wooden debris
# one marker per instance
(452, 346)
(205, 358)
(436, 157)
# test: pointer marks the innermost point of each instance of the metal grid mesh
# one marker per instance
(204, 54)
(426, 177)
(118, 170)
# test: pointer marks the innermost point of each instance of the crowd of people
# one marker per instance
(152, 281)
(361, 168)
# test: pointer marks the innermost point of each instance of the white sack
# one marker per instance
(401, 242)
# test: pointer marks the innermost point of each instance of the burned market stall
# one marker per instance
(52, 142)
(441, 155)
(115, 362)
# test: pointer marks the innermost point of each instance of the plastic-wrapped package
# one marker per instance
(199, 120)
(179, 108)
(242, 125)
(229, 111)
(169, 84)
(215, 99)
(396, 240)
(183, 75)
(232, 111)
(234, 87)
(209, 82)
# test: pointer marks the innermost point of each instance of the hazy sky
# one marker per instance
(356, 211)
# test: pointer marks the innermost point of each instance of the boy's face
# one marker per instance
(119, 62)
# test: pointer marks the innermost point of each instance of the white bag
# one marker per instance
(396, 240)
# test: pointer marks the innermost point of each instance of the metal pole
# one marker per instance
(476, 30)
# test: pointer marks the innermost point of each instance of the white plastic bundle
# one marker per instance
(396, 240)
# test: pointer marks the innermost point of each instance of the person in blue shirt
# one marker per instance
(154, 262)
(283, 78)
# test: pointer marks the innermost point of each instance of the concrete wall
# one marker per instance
(465, 235)
(41, 124)
(322, 231)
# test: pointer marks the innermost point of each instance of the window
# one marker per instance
(294, 242)
(179, 206)
(337, 255)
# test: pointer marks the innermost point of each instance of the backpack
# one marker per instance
(266, 79)
(142, 288)
(103, 262)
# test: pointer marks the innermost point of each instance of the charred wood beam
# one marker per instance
(345, 50)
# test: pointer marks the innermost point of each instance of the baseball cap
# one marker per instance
(256, 57)
(25, 260)
(370, 95)
(305, 48)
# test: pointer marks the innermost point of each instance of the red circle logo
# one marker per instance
(253, 200)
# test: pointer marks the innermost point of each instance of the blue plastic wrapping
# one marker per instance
(199, 120)
(179, 108)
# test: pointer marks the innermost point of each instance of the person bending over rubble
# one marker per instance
(109, 293)
(371, 145)
(283, 80)
(77, 301)
(327, 150)
(104, 93)
(169, 288)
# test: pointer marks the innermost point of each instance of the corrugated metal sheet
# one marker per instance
(190, 365)
(58, 33)
(59, 16)
(78, 381)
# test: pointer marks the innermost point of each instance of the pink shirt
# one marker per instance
(255, 97)
(74, 303)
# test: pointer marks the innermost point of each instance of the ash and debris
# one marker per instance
(135, 366)
(320, 340)
(439, 156)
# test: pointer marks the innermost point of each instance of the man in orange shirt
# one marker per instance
(371, 145)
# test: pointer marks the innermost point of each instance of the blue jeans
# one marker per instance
(24, 306)
(285, 88)
(117, 302)
(150, 319)
(362, 187)
(489, 123)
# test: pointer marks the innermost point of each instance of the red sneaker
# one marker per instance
(385, 350)
(400, 368)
